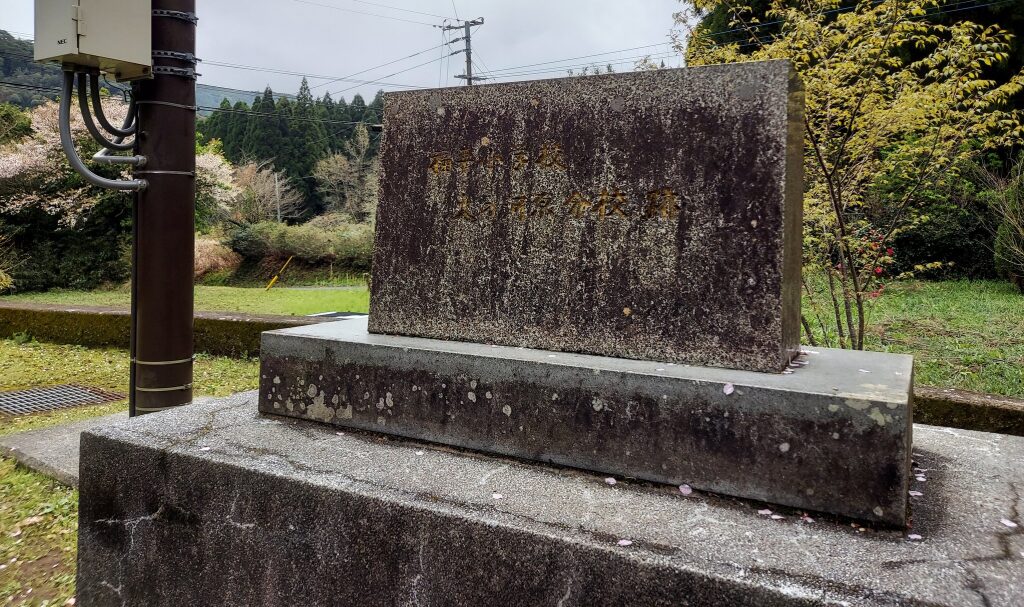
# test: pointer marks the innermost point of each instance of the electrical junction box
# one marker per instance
(113, 36)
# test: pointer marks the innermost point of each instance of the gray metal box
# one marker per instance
(114, 36)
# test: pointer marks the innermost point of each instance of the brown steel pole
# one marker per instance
(165, 216)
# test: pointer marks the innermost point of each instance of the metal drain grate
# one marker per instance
(51, 398)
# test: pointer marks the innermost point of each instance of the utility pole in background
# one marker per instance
(277, 195)
(468, 37)
(164, 243)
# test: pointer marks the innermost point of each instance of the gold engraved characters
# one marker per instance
(578, 204)
(550, 156)
(610, 204)
(662, 203)
(463, 210)
(441, 162)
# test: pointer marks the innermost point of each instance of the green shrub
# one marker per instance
(14, 123)
(959, 235)
(93, 252)
(349, 247)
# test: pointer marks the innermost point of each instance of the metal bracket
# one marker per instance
(190, 17)
(186, 57)
(184, 72)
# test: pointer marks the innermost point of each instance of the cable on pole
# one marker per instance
(68, 144)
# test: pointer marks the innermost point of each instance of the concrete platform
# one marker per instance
(832, 436)
(217, 505)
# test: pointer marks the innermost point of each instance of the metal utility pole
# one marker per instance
(468, 37)
(164, 213)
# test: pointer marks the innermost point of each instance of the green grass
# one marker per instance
(297, 302)
(38, 517)
(963, 334)
(41, 364)
(38, 535)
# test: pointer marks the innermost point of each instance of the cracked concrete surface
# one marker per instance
(362, 519)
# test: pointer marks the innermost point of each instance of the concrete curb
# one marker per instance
(218, 333)
(233, 334)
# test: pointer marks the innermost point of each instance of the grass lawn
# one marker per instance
(38, 516)
(963, 334)
(295, 302)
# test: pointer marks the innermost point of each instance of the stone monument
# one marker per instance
(604, 273)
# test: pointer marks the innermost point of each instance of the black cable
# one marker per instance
(83, 104)
(97, 107)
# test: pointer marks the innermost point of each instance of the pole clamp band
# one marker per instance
(190, 17)
(184, 72)
(185, 173)
(186, 57)
(163, 362)
(191, 108)
(171, 389)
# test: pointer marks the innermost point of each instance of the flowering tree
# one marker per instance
(893, 98)
(66, 231)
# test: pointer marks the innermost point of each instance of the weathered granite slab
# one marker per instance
(216, 505)
(650, 215)
(833, 436)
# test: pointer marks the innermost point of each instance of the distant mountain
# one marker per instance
(26, 83)
(210, 96)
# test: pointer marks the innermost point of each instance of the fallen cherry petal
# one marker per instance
(497, 496)
(921, 479)
(625, 542)
(685, 489)
(777, 517)
(916, 494)
(610, 480)
(1009, 523)
(765, 512)
(807, 519)
(913, 536)
(864, 371)
(204, 448)
(728, 389)
(419, 453)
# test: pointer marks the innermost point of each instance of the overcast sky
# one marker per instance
(309, 37)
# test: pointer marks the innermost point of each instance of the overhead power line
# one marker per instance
(409, 69)
(352, 10)
(406, 10)
(370, 69)
(625, 50)
(269, 70)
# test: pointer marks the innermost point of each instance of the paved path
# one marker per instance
(53, 451)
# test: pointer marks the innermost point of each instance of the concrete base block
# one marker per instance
(216, 505)
(832, 436)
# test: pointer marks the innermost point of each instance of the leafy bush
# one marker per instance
(957, 235)
(1009, 247)
(213, 257)
(347, 246)
(14, 123)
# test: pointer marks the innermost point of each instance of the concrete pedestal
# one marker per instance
(215, 504)
(831, 436)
